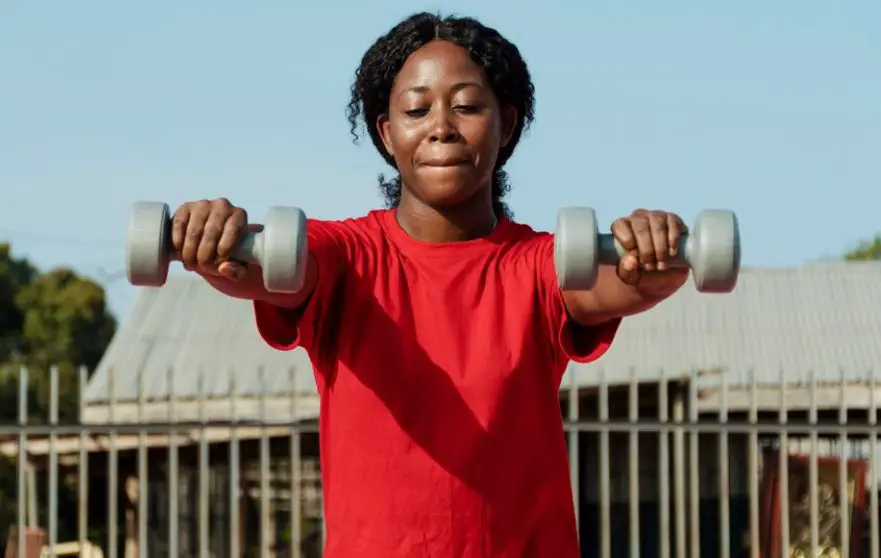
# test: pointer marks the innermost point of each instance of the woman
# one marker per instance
(436, 329)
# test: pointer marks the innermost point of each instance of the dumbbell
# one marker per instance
(280, 249)
(711, 249)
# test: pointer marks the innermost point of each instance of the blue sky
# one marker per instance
(772, 109)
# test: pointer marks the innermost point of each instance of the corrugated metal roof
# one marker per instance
(189, 327)
(822, 317)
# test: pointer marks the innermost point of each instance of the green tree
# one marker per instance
(866, 250)
(66, 320)
(53, 318)
(14, 274)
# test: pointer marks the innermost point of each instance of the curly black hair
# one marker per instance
(501, 61)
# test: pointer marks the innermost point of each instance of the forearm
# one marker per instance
(251, 287)
(612, 298)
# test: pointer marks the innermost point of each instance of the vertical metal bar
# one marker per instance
(724, 478)
(874, 528)
(753, 466)
(813, 469)
(264, 469)
(143, 473)
(234, 527)
(173, 491)
(22, 456)
(633, 463)
(679, 470)
(842, 469)
(113, 471)
(295, 469)
(83, 465)
(574, 466)
(32, 496)
(663, 471)
(53, 460)
(783, 467)
(204, 501)
(694, 468)
(605, 496)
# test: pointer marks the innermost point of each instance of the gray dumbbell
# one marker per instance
(711, 250)
(280, 249)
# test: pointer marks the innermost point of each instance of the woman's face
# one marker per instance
(444, 127)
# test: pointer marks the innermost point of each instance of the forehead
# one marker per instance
(436, 63)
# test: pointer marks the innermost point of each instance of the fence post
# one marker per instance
(83, 464)
(143, 473)
(574, 468)
(23, 494)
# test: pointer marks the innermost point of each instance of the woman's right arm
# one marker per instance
(205, 233)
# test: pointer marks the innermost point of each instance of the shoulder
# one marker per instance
(371, 221)
(522, 232)
(349, 230)
(355, 240)
(523, 243)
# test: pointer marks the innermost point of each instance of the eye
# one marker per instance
(416, 113)
(467, 109)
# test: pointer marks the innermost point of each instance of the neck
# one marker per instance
(467, 221)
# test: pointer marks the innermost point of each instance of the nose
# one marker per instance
(444, 130)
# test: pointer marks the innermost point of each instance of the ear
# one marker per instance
(509, 122)
(384, 127)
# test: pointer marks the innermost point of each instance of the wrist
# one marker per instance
(659, 285)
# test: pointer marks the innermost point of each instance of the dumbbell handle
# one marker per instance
(611, 252)
(249, 249)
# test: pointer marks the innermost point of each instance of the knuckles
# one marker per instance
(201, 222)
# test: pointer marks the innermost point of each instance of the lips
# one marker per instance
(445, 162)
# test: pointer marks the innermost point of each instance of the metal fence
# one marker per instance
(668, 468)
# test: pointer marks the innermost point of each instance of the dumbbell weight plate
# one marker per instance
(284, 250)
(576, 249)
(713, 251)
(147, 244)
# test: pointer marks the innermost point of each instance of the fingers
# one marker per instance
(179, 223)
(644, 225)
(205, 234)
(660, 241)
(650, 239)
(676, 229)
(628, 266)
(207, 247)
(198, 215)
(230, 232)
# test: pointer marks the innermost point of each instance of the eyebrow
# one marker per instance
(456, 87)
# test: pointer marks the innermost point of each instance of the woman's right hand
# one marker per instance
(204, 233)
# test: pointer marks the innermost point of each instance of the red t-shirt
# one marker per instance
(438, 367)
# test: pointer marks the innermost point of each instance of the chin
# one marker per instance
(445, 189)
(448, 194)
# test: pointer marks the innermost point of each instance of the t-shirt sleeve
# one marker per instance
(285, 329)
(575, 342)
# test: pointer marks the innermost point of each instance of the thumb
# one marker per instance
(234, 271)
(628, 269)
